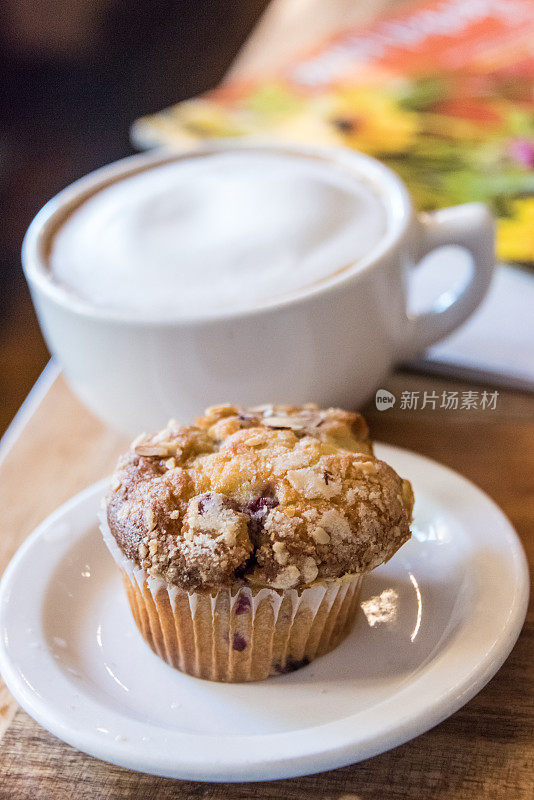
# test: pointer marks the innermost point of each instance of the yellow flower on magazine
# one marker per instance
(207, 119)
(515, 234)
(305, 127)
(275, 111)
(190, 122)
(372, 121)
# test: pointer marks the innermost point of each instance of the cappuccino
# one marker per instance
(216, 232)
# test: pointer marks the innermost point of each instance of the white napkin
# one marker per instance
(496, 344)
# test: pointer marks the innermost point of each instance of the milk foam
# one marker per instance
(221, 232)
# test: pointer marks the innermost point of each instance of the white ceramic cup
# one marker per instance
(332, 344)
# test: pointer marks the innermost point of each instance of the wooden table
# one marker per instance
(55, 448)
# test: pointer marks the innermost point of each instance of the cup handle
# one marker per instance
(470, 226)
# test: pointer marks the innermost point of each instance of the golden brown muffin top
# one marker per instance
(272, 495)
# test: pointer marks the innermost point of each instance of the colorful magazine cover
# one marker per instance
(442, 92)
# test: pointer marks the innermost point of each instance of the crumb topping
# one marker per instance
(272, 495)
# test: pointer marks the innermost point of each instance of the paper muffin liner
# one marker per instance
(237, 633)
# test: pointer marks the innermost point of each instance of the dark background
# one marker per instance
(73, 75)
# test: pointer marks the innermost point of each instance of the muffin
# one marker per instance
(243, 539)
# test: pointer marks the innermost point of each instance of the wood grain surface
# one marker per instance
(484, 751)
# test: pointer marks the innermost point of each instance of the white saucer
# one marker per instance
(437, 622)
